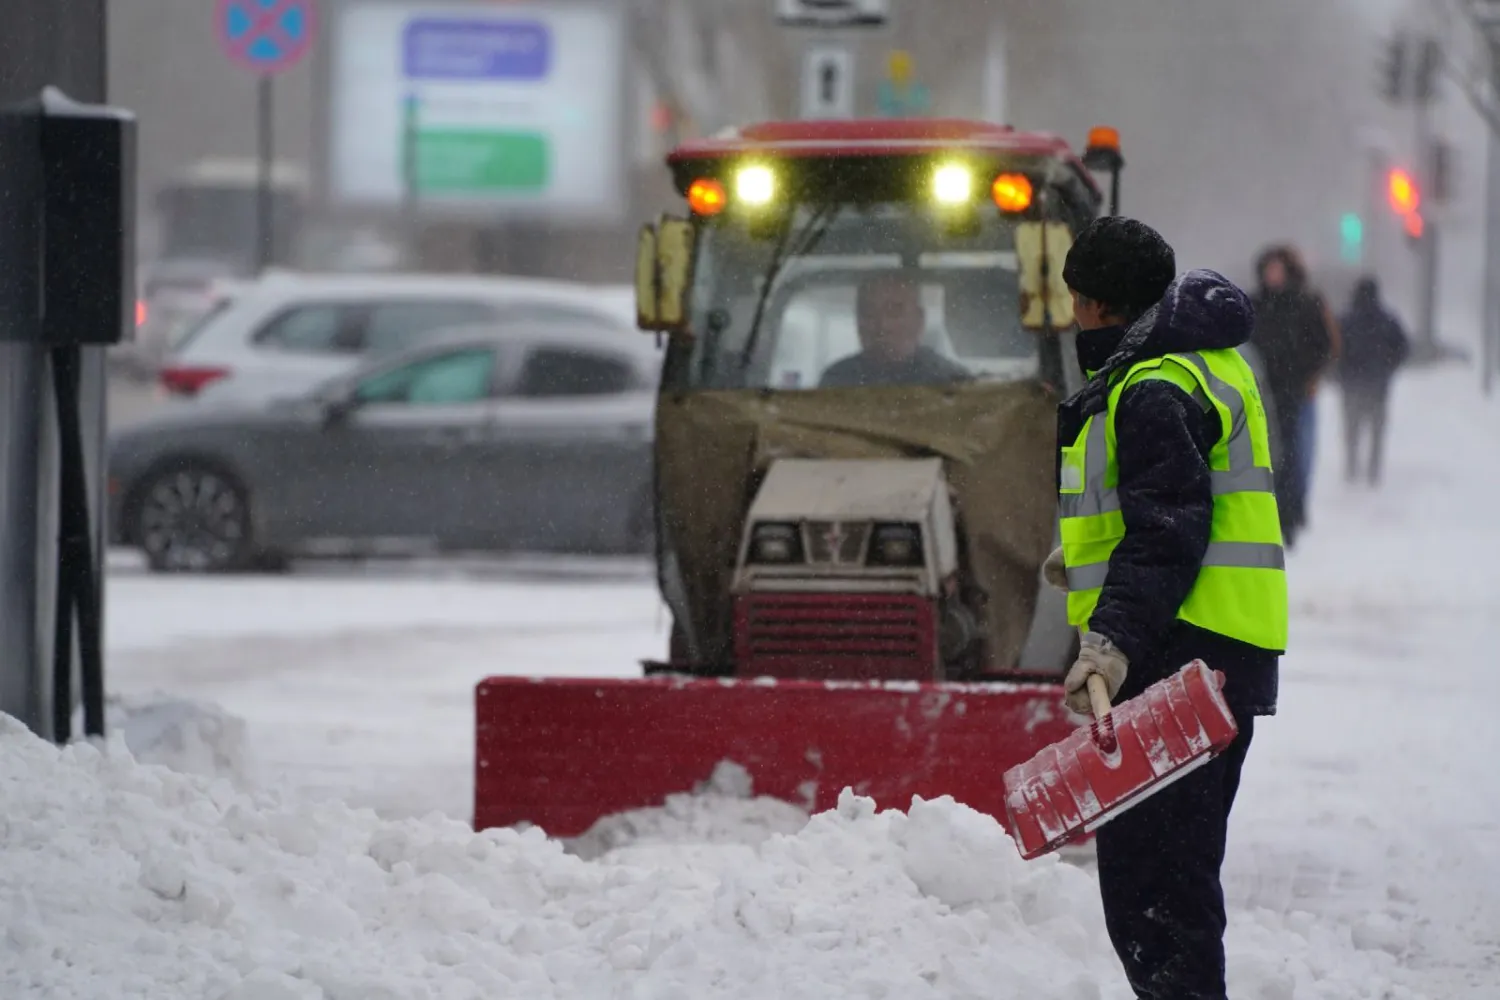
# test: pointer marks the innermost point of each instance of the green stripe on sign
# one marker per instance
(453, 160)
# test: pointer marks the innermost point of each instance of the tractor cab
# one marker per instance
(855, 291)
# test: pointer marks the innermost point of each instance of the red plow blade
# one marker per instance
(1071, 789)
(564, 753)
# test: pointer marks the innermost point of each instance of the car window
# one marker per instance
(393, 326)
(556, 371)
(446, 380)
(317, 329)
(192, 331)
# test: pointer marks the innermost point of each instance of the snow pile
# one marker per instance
(189, 736)
(722, 811)
(125, 880)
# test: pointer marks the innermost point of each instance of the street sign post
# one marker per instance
(266, 37)
(828, 83)
(833, 13)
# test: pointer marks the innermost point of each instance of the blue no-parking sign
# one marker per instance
(266, 36)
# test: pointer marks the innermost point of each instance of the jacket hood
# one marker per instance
(1201, 311)
(1366, 296)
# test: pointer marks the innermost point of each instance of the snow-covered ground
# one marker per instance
(1364, 857)
(360, 686)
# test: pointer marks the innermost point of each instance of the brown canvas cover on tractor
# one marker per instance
(997, 442)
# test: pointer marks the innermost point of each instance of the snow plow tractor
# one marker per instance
(855, 449)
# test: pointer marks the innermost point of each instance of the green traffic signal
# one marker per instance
(1352, 229)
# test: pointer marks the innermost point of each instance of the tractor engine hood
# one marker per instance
(835, 519)
(847, 490)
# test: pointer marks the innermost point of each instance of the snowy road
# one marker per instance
(360, 686)
(1364, 855)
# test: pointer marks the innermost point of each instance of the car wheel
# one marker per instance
(194, 518)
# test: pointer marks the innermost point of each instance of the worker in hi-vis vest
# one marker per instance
(1171, 551)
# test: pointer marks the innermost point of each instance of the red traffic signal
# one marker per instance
(1415, 225)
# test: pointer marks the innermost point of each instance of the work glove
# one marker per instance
(1096, 655)
(1055, 571)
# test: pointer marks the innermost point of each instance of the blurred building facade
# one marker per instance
(1243, 123)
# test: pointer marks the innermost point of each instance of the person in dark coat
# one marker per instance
(889, 313)
(1297, 340)
(1159, 862)
(1374, 347)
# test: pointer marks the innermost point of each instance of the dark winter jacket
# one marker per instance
(1164, 438)
(925, 367)
(1292, 334)
(1374, 344)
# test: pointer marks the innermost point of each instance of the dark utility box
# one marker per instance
(67, 246)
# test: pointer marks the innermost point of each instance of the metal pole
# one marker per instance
(265, 207)
(1385, 257)
(1490, 326)
(1429, 298)
(411, 190)
(1428, 244)
(60, 42)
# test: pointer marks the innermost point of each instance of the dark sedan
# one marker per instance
(481, 440)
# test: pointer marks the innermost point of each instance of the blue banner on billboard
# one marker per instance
(444, 49)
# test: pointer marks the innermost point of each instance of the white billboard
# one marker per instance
(480, 110)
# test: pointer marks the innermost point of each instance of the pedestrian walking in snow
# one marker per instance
(1374, 348)
(1166, 447)
(1297, 340)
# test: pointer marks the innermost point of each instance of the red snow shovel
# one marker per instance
(1127, 754)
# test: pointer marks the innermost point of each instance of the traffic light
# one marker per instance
(1409, 69)
(1424, 79)
(1352, 233)
(1403, 192)
(1415, 226)
(1393, 70)
(1406, 200)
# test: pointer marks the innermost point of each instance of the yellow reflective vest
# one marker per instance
(1241, 589)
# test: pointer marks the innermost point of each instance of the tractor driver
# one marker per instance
(890, 317)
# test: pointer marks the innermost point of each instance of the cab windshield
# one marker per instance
(881, 294)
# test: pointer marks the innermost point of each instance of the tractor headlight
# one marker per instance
(896, 545)
(775, 544)
(755, 185)
(953, 184)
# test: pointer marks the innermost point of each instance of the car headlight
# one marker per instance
(776, 544)
(896, 545)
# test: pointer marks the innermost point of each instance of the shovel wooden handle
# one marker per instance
(1103, 729)
(1099, 696)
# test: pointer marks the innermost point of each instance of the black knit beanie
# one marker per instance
(1122, 264)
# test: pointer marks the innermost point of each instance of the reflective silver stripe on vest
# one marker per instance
(1245, 555)
(1241, 449)
(1238, 555)
(1243, 475)
(1094, 499)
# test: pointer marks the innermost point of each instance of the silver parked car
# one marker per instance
(296, 326)
(497, 438)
